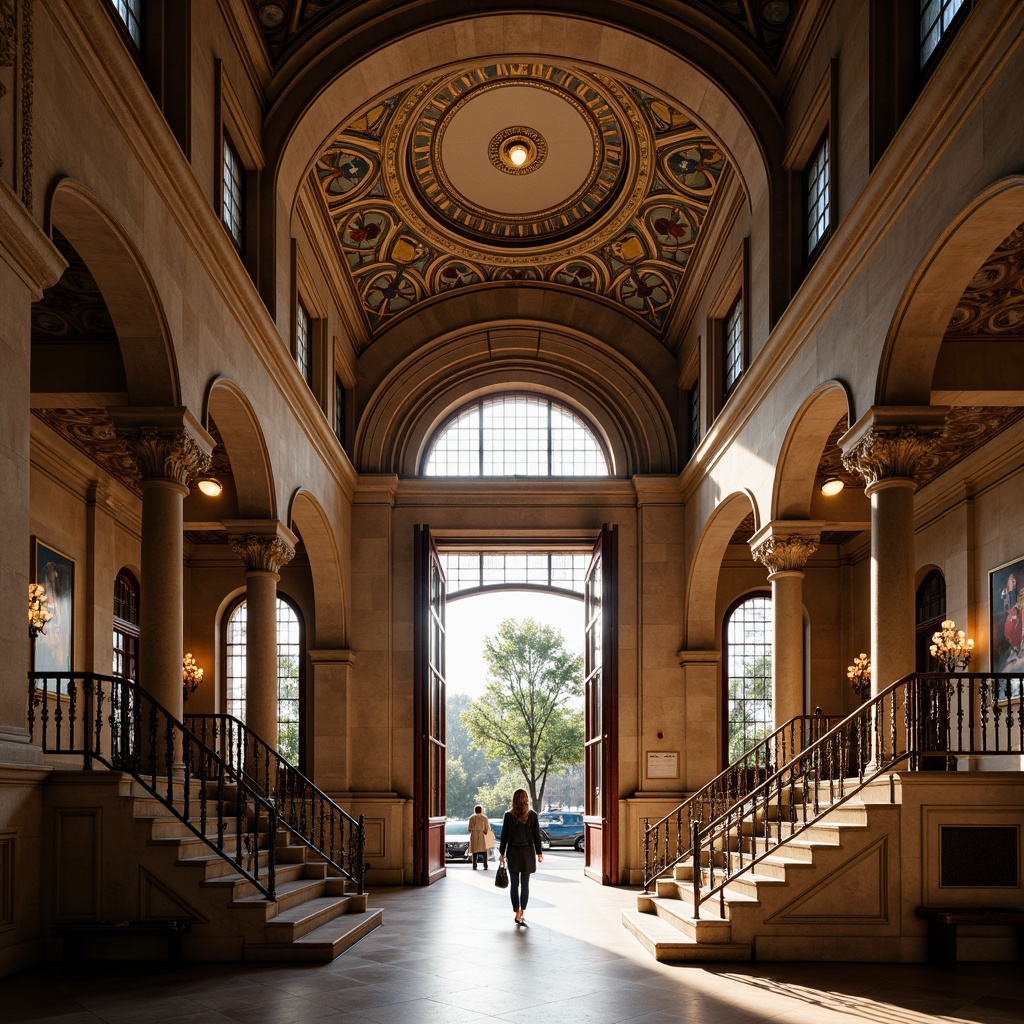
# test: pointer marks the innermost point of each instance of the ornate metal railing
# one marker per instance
(114, 721)
(303, 808)
(923, 721)
(667, 841)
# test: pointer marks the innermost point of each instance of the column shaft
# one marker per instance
(161, 632)
(892, 580)
(261, 654)
(788, 646)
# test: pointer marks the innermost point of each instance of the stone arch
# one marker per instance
(425, 387)
(793, 491)
(699, 615)
(246, 448)
(343, 80)
(916, 332)
(308, 518)
(128, 291)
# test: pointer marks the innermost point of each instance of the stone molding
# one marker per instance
(784, 553)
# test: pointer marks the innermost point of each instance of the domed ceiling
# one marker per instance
(519, 175)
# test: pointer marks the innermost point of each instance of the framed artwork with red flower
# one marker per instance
(1006, 612)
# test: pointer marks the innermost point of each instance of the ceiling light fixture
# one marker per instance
(517, 150)
(833, 485)
(210, 486)
(518, 154)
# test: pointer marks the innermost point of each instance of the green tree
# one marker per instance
(529, 716)
(750, 706)
(476, 771)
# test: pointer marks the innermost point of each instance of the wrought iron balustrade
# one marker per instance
(302, 807)
(667, 842)
(115, 722)
(920, 721)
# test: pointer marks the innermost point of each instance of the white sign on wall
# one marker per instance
(662, 764)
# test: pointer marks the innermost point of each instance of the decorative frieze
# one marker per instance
(262, 553)
(890, 452)
(165, 454)
(782, 554)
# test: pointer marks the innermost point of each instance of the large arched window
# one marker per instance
(748, 668)
(929, 611)
(289, 674)
(515, 435)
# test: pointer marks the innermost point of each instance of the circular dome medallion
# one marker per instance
(467, 131)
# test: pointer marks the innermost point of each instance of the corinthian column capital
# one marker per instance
(165, 444)
(890, 443)
(785, 547)
(262, 546)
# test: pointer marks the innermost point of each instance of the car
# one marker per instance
(456, 839)
(562, 828)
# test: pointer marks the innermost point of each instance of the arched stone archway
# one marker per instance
(139, 322)
(794, 491)
(245, 446)
(321, 95)
(420, 392)
(309, 520)
(700, 615)
(908, 363)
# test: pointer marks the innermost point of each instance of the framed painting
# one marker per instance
(53, 650)
(1006, 614)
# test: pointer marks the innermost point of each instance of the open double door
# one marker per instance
(600, 688)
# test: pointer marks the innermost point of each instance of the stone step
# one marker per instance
(669, 945)
(299, 920)
(321, 945)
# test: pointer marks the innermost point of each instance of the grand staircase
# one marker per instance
(794, 852)
(200, 821)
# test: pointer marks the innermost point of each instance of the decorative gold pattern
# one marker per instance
(165, 455)
(645, 219)
(501, 146)
(887, 453)
(782, 554)
(992, 305)
(261, 553)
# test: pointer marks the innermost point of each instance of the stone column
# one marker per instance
(169, 447)
(885, 448)
(264, 547)
(783, 549)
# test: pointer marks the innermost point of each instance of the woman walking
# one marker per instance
(520, 836)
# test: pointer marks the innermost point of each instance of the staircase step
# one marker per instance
(300, 920)
(321, 945)
(668, 944)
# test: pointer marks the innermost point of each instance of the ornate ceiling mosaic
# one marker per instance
(992, 305)
(420, 209)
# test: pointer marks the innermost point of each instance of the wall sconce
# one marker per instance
(191, 676)
(210, 486)
(833, 485)
(38, 612)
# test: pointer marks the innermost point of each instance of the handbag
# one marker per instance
(501, 877)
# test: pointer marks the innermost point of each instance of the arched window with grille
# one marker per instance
(290, 660)
(515, 435)
(126, 626)
(747, 660)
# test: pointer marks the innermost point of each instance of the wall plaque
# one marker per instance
(662, 764)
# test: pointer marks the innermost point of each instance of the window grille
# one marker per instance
(130, 13)
(733, 345)
(935, 19)
(233, 193)
(818, 213)
(303, 344)
(749, 665)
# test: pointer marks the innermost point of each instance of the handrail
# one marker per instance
(303, 808)
(925, 719)
(724, 790)
(114, 721)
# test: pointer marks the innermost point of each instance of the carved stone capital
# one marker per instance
(782, 554)
(165, 454)
(889, 452)
(262, 553)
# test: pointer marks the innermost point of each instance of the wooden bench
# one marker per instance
(75, 933)
(943, 922)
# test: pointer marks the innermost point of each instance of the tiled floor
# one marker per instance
(452, 954)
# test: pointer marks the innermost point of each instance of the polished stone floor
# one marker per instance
(452, 954)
